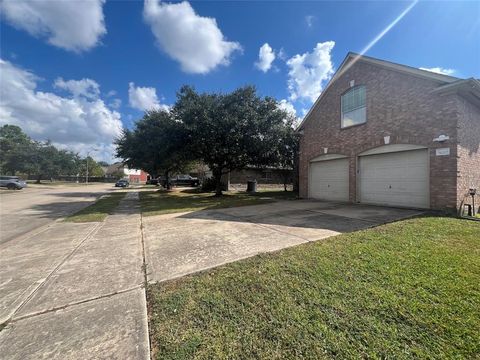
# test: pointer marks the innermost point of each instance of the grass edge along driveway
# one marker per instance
(167, 202)
(99, 210)
(409, 289)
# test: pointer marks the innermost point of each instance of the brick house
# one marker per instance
(389, 134)
(263, 175)
(135, 176)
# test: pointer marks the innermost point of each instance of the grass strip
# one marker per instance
(99, 210)
(165, 202)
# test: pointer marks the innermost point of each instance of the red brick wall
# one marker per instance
(468, 153)
(399, 105)
(138, 178)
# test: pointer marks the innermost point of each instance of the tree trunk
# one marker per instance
(167, 180)
(296, 177)
(217, 175)
(39, 177)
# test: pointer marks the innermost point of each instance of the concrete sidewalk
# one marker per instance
(71, 296)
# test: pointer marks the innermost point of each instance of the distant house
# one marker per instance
(389, 134)
(263, 175)
(133, 175)
(266, 177)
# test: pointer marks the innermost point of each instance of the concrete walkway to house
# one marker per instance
(75, 291)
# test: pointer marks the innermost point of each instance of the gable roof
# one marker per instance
(467, 88)
(352, 58)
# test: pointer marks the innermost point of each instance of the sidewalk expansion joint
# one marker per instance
(145, 277)
(68, 256)
(63, 307)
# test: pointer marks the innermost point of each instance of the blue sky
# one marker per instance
(105, 46)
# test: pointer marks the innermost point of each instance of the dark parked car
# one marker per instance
(122, 183)
(180, 180)
(152, 181)
(12, 182)
(185, 180)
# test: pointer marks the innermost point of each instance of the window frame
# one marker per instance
(341, 107)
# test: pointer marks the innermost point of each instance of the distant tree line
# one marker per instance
(19, 154)
(223, 131)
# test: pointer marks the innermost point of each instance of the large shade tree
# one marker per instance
(157, 145)
(285, 158)
(15, 150)
(45, 161)
(41, 159)
(19, 153)
(94, 168)
(231, 131)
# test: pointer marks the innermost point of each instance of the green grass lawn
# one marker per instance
(409, 289)
(99, 210)
(164, 202)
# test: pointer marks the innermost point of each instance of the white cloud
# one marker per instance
(77, 123)
(282, 54)
(144, 98)
(115, 103)
(310, 71)
(309, 19)
(71, 25)
(287, 106)
(194, 41)
(440, 70)
(266, 55)
(84, 87)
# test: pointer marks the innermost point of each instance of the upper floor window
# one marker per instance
(354, 109)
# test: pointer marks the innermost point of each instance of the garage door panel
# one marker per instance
(328, 180)
(397, 179)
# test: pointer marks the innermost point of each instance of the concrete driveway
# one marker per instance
(180, 244)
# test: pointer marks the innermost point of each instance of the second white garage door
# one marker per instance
(396, 179)
(328, 180)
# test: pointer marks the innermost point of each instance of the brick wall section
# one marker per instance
(468, 153)
(399, 105)
(263, 176)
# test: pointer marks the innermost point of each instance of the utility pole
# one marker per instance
(86, 177)
(88, 155)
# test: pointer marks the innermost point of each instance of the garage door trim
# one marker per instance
(391, 148)
(326, 157)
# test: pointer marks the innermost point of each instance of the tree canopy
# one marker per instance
(231, 131)
(224, 131)
(157, 144)
(20, 154)
(15, 149)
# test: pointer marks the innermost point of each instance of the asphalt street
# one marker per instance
(23, 211)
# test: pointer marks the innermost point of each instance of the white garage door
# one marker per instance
(328, 180)
(396, 179)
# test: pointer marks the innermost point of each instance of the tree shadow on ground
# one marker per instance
(308, 214)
